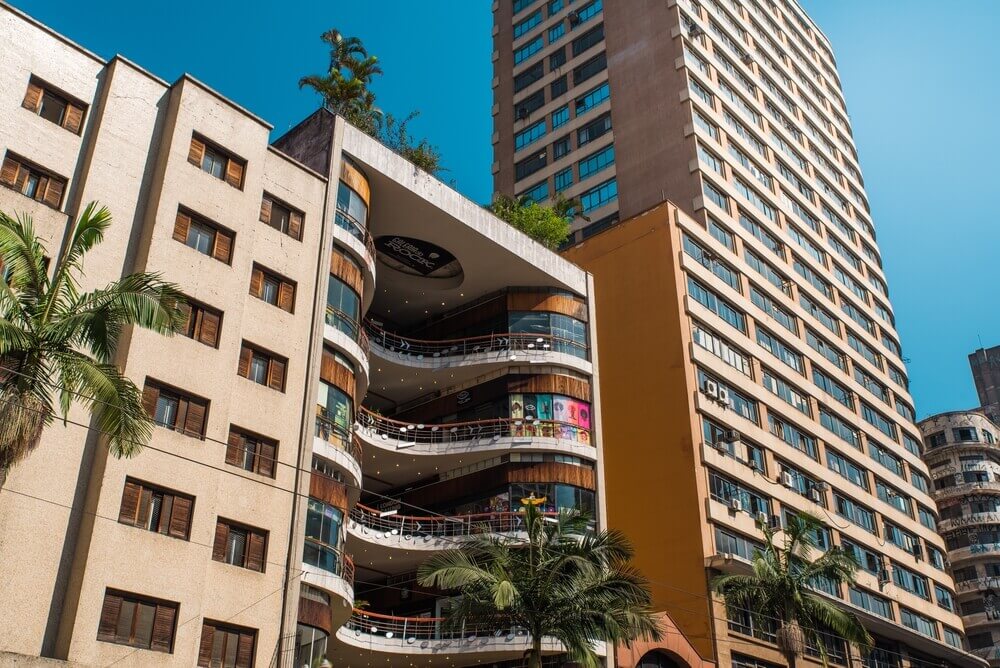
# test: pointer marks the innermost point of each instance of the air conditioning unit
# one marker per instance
(522, 113)
(815, 495)
(763, 519)
(723, 396)
(735, 505)
(822, 486)
(755, 465)
(787, 479)
(747, 59)
(721, 446)
(695, 31)
(731, 436)
(574, 18)
(711, 388)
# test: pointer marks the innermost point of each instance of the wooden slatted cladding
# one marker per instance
(570, 386)
(175, 409)
(281, 216)
(328, 490)
(202, 323)
(156, 509)
(221, 163)
(272, 288)
(203, 235)
(139, 621)
(262, 367)
(48, 103)
(315, 614)
(251, 452)
(240, 545)
(566, 304)
(218, 640)
(32, 181)
(355, 180)
(447, 491)
(347, 270)
(335, 373)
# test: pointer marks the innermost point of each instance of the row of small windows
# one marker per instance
(535, 131)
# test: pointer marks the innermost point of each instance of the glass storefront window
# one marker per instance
(324, 536)
(310, 649)
(343, 308)
(570, 334)
(352, 212)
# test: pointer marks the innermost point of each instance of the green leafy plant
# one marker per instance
(393, 133)
(565, 582)
(779, 592)
(544, 224)
(57, 344)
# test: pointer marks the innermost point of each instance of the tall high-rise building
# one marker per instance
(371, 365)
(750, 364)
(962, 450)
(985, 365)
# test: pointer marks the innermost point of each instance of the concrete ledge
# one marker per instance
(11, 660)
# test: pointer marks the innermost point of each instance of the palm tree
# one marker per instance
(569, 208)
(344, 87)
(780, 591)
(57, 344)
(565, 582)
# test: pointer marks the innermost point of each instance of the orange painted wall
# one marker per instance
(652, 469)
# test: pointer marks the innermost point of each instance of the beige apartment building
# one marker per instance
(962, 450)
(750, 363)
(373, 368)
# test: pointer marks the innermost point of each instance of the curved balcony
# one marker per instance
(331, 570)
(487, 436)
(967, 489)
(354, 236)
(971, 519)
(349, 337)
(432, 636)
(496, 349)
(336, 444)
(973, 551)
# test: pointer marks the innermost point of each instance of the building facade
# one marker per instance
(751, 364)
(372, 365)
(985, 365)
(962, 450)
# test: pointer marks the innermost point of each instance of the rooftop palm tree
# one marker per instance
(57, 344)
(344, 87)
(565, 582)
(780, 591)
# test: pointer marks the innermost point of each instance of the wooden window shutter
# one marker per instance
(8, 175)
(234, 447)
(246, 355)
(181, 226)
(163, 628)
(205, 646)
(184, 306)
(180, 517)
(286, 296)
(234, 173)
(209, 334)
(244, 651)
(255, 551)
(197, 152)
(150, 395)
(223, 246)
(276, 375)
(265, 210)
(256, 282)
(32, 97)
(295, 225)
(130, 502)
(43, 185)
(54, 192)
(73, 119)
(194, 421)
(265, 459)
(221, 538)
(109, 616)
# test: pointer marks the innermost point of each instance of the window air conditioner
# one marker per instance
(723, 396)
(711, 388)
(787, 479)
(735, 505)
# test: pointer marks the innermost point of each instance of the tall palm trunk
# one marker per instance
(535, 653)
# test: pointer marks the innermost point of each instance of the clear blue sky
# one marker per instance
(921, 85)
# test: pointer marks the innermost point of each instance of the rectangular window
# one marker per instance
(218, 162)
(175, 409)
(919, 623)
(702, 92)
(226, 646)
(944, 598)
(589, 69)
(240, 545)
(560, 147)
(786, 392)
(893, 497)
(594, 129)
(708, 260)
(137, 621)
(905, 410)
(556, 31)
(597, 162)
(872, 562)
(762, 235)
(864, 349)
(886, 458)
(530, 134)
(819, 313)
(716, 304)
(791, 434)
(779, 349)
(586, 13)
(715, 196)
(599, 195)
(201, 322)
(838, 392)
(721, 234)
(765, 269)
(704, 338)
(203, 235)
(531, 164)
(847, 469)
(708, 126)
(771, 308)
(732, 398)
(588, 40)
(814, 251)
(558, 87)
(536, 193)
(528, 50)
(32, 181)
(725, 490)
(592, 98)
(872, 603)
(522, 28)
(879, 421)
(560, 117)
(272, 288)
(251, 452)
(52, 105)
(710, 159)
(529, 76)
(281, 216)
(156, 509)
(855, 513)
(839, 427)
(525, 107)
(262, 367)
(745, 134)
(557, 59)
(855, 314)
(521, 5)
(751, 166)
(563, 179)
(848, 282)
